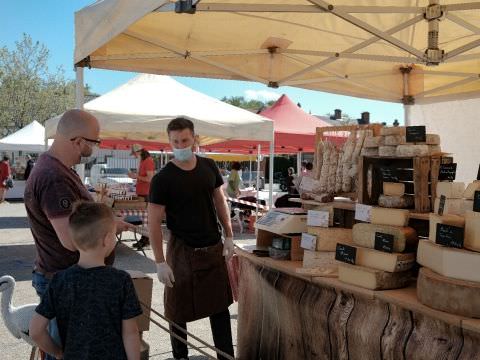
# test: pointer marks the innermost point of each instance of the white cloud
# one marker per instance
(262, 95)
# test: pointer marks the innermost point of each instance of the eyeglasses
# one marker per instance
(91, 141)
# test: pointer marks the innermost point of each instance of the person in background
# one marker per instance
(303, 168)
(95, 305)
(290, 178)
(188, 192)
(50, 192)
(308, 169)
(28, 168)
(233, 187)
(5, 174)
(144, 175)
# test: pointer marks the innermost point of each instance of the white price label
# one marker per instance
(308, 242)
(318, 218)
(362, 212)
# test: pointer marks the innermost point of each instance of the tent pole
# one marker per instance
(250, 171)
(406, 115)
(270, 165)
(299, 162)
(258, 180)
(79, 90)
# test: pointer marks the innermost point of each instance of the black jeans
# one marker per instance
(221, 331)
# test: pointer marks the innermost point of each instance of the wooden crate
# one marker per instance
(419, 174)
(264, 238)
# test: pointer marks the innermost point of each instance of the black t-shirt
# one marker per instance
(188, 200)
(89, 305)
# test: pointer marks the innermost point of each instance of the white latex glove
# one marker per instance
(228, 248)
(165, 274)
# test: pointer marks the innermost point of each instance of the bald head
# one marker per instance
(76, 123)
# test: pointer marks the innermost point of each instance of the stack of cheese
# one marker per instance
(319, 245)
(379, 270)
(394, 196)
(392, 142)
(450, 278)
(453, 192)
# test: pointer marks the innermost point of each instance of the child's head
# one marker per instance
(92, 226)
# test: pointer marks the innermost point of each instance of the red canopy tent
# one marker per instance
(294, 132)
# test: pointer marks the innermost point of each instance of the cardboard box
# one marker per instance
(143, 286)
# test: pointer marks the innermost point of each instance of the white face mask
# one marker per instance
(184, 154)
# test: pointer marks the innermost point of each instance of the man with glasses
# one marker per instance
(51, 190)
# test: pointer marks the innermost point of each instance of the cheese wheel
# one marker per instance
(327, 238)
(451, 190)
(470, 190)
(373, 279)
(453, 296)
(363, 234)
(447, 219)
(393, 217)
(472, 231)
(312, 259)
(373, 141)
(369, 151)
(412, 150)
(395, 140)
(393, 189)
(452, 206)
(394, 130)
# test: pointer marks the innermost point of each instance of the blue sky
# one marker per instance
(51, 22)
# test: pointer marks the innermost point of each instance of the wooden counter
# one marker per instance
(285, 315)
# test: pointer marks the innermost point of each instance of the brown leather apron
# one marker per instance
(201, 287)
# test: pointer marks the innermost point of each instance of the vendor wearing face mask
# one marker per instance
(51, 190)
(188, 192)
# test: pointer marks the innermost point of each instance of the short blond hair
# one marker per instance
(89, 223)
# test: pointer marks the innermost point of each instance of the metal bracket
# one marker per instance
(434, 56)
(433, 12)
(408, 100)
(85, 62)
(185, 7)
(273, 84)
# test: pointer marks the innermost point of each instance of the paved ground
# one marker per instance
(17, 252)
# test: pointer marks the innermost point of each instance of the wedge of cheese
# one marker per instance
(451, 190)
(395, 202)
(393, 217)
(470, 190)
(447, 219)
(393, 189)
(472, 231)
(327, 238)
(457, 297)
(450, 262)
(373, 279)
(379, 260)
(452, 206)
(363, 234)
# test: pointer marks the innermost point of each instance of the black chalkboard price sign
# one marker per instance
(447, 172)
(449, 235)
(416, 134)
(478, 173)
(346, 254)
(389, 174)
(384, 242)
(476, 201)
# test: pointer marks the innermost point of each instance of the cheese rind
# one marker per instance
(364, 235)
(412, 150)
(373, 141)
(372, 279)
(395, 140)
(450, 295)
(312, 259)
(447, 219)
(470, 190)
(369, 152)
(451, 190)
(387, 150)
(393, 217)
(472, 231)
(393, 189)
(452, 206)
(379, 260)
(394, 130)
(396, 202)
(450, 262)
(327, 238)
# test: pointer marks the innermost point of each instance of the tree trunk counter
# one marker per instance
(283, 315)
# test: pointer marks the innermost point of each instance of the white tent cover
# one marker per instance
(30, 138)
(457, 124)
(142, 108)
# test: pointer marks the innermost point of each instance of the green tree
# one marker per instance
(28, 89)
(252, 105)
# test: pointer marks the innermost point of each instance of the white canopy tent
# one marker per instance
(30, 138)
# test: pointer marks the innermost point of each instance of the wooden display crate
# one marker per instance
(419, 174)
(264, 238)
